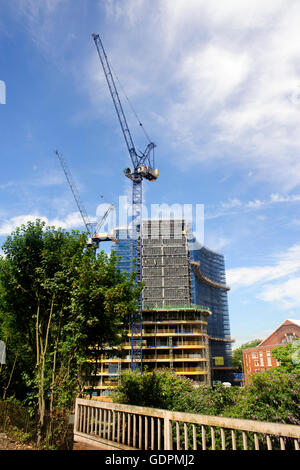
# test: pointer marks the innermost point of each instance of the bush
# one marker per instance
(269, 396)
(164, 389)
(16, 421)
(159, 389)
(208, 401)
(59, 434)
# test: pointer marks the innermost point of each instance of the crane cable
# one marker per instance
(131, 106)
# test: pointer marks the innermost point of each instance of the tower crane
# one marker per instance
(142, 168)
(93, 228)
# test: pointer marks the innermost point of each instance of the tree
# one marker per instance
(60, 303)
(288, 355)
(237, 354)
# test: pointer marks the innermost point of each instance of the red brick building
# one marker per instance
(260, 358)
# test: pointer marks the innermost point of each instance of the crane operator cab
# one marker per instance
(100, 237)
(143, 171)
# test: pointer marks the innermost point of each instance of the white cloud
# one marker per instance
(11, 224)
(224, 77)
(231, 203)
(286, 293)
(34, 8)
(277, 283)
(287, 198)
(41, 19)
(212, 75)
(72, 220)
(7, 185)
(287, 263)
(217, 243)
(234, 67)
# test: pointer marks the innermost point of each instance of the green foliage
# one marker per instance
(269, 396)
(20, 436)
(60, 302)
(288, 356)
(164, 389)
(159, 389)
(209, 401)
(237, 354)
(16, 421)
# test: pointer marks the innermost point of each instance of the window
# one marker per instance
(254, 355)
(261, 359)
(269, 360)
(256, 363)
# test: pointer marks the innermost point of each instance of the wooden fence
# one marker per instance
(125, 427)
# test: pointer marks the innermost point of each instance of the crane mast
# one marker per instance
(143, 167)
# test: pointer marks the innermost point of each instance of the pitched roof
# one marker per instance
(297, 322)
(286, 322)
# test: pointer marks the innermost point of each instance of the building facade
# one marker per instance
(184, 302)
(209, 287)
(260, 358)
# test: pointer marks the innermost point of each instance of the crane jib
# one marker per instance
(114, 93)
(135, 157)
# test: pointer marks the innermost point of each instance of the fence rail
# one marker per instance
(116, 426)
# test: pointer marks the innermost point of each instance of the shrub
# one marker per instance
(270, 396)
(164, 389)
(208, 401)
(161, 388)
(16, 421)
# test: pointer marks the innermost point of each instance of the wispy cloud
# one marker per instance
(277, 282)
(5, 186)
(42, 21)
(285, 263)
(232, 68)
(235, 205)
(223, 77)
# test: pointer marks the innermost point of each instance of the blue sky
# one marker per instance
(217, 87)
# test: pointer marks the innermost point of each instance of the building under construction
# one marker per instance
(185, 312)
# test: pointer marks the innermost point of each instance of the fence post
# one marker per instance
(76, 417)
(168, 442)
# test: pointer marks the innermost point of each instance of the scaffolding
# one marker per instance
(177, 276)
(123, 249)
(209, 287)
(185, 309)
(165, 259)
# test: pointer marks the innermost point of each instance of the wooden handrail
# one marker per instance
(119, 426)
